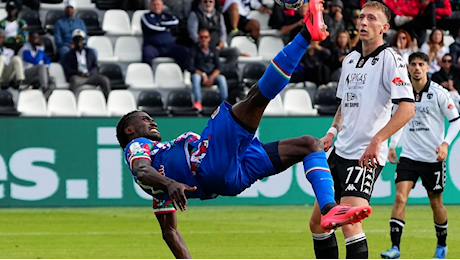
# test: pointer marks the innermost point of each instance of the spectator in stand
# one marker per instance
(205, 67)
(11, 67)
(15, 29)
(455, 50)
(80, 66)
(342, 46)
(448, 76)
(444, 11)
(334, 21)
(158, 39)
(206, 16)
(32, 4)
(36, 63)
(349, 8)
(315, 64)
(352, 28)
(435, 50)
(288, 21)
(404, 45)
(414, 16)
(236, 14)
(64, 28)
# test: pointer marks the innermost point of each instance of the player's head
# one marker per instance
(418, 66)
(373, 21)
(136, 124)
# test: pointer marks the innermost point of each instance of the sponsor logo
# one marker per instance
(356, 79)
(367, 191)
(351, 104)
(351, 187)
(422, 110)
(450, 106)
(351, 96)
(437, 187)
(415, 123)
(399, 82)
(350, 61)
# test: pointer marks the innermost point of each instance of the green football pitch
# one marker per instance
(210, 232)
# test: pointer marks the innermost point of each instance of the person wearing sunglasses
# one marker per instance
(449, 77)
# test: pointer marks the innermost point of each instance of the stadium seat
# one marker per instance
(210, 99)
(85, 4)
(245, 46)
(448, 40)
(128, 49)
(116, 22)
(263, 19)
(3, 13)
(32, 103)
(7, 104)
(62, 102)
(275, 107)
(150, 101)
(252, 73)
(325, 100)
(297, 102)
(57, 72)
(269, 46)
(120, 102)
(49, 48)
(136, 27)
(103, 46)
(107, 4)
(139, 76)
(32, 18)
(169, 75)
(179, 103)
(91, 20)
(91, 102)
(114, 73)
(50, 19)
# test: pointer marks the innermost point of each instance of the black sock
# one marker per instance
(325, 246)
(306, 34)
(327, 207)
(357, 247)
(396, 229)
(441, 233)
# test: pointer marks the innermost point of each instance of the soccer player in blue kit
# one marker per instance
(227, 158)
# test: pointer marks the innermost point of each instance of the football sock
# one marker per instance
(319, 175)
(396, 229)
(325, 245)
(357, 247)
(441, 233)
(278, 73)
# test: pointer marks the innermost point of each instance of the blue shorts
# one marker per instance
(235, 159)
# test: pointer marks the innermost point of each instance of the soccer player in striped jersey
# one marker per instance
(227, 158)
(373, 77)
(424, 151)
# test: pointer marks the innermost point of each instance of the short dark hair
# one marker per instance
(419, 55)
(121, 135)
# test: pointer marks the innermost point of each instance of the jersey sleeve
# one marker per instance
(447, 105)
(163, 206)
(139, 148)
(396, 79)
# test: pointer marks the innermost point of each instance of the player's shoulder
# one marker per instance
(438, 89)
(390, 55)
(351, 58)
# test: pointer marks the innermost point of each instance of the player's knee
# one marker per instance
(351, 230)
(400, 198)
(435, 200)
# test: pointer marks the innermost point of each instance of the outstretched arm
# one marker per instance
(172, 237)
(402, 115)
(146, 174)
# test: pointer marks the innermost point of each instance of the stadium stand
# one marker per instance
(50, 50)
(136, 28)
(116, 22)
(252, 72)
(297, 102)
(57, 72)
(91, 20)
(120, 102)
(179, 103)
(103, 47)
(32, 103)
(139, 76)
(7, 104)
(128, 49)
(62, 102)
(325, 100)
(91, 102)
(114, 73)
(210, 99)
(151, 102)
(246, 47)
(269, 46)
(50, 19)
(275, 107)
(32, 18)
(169, 76)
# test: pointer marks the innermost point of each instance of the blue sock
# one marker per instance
(319, 175)
(278, 73)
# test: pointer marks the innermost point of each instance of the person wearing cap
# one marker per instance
(15, 29)
(64, 28)
(11, 67)
(80, 66)
(334, 21)
(36, 63)
(32, 4)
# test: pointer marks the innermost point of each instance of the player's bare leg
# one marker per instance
(440, 223)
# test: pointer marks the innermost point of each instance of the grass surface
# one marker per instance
(210, 232)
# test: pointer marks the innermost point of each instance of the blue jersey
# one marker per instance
(175, 159)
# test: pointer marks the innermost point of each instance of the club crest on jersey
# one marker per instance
(374, 60)
(429, 95)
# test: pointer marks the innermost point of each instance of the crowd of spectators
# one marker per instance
(209, 26)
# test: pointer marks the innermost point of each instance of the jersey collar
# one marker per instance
(418, 96)
(363, 59)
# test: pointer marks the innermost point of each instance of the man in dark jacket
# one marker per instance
(158, 40)
(80, 66)
(205, 67)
